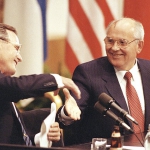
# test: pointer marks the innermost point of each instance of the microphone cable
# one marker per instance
(141, 134)
(139, 139)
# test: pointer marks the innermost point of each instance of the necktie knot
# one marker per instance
(128, 75)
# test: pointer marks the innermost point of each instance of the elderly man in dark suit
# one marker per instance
(13, 126)
(123, 42)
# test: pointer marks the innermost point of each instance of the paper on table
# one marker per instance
(45, 127)
(130, 147)
(133, 148)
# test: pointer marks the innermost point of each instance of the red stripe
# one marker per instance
(106, 11)
(85, 27)
(71, 59)
(86, 30)
(140, 11)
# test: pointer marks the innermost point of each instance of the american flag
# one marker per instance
(87, 22)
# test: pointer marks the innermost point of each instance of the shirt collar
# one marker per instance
(133, 70)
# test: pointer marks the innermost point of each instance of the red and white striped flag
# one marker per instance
(87, 22)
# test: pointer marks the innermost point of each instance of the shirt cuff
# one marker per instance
(58, 80)
(66, 120)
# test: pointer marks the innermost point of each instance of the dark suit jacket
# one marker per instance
(33, 120)
(13, 89)
(94, 78)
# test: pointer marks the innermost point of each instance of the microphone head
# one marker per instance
(100, 108)
(105, 100)
(105, 111)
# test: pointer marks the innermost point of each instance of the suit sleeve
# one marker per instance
(82, 80)
(14, 89)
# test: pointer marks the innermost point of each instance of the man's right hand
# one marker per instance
(69, 84)
(71, 107)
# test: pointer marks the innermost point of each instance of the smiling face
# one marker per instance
(9, 54)
(123, 58)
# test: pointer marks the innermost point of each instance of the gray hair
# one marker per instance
(139, 29)
(3, 31)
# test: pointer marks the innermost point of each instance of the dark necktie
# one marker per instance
(25, 136)
(134, 104)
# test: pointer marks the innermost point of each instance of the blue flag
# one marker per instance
(42, 4)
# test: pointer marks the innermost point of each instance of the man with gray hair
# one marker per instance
(123, 42)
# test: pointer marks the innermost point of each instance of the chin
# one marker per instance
(116, 62)
(11, 73)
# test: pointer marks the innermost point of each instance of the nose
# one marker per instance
(115, 47)
(19, 57)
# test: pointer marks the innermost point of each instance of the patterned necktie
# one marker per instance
(134, 104)
(25, 136)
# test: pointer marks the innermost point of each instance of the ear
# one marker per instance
(140, 46)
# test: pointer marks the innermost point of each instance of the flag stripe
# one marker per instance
(71, 56)
(106, 11)
(87, 23)
(42, 4)
(97, 23)
(85, 27)
(79, 46)
(140, 11)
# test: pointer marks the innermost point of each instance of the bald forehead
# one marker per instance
(124, 26)
(125, 22)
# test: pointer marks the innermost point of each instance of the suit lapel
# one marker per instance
(113, 87)
(145, 75)
(12, 108)
(15, 115)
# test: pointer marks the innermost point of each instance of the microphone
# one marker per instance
(105, 111)
(108, 102)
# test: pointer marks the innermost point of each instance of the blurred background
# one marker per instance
(57, 35)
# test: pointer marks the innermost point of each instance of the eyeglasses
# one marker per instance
(122, 43)
(16, 46)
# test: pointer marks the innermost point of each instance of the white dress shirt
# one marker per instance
(136, 81)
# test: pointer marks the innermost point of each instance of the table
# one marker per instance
(129, 140)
